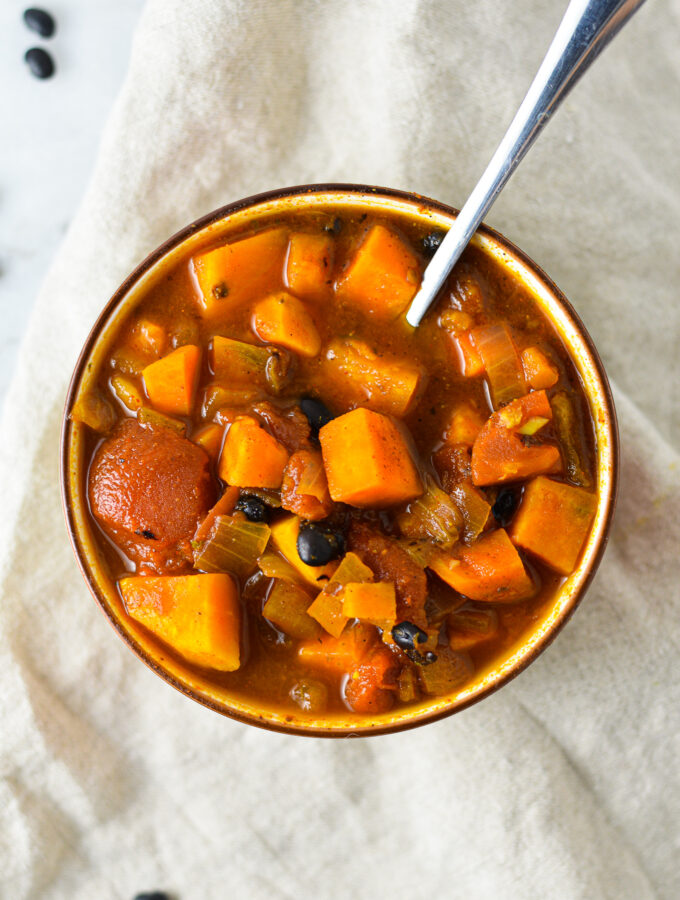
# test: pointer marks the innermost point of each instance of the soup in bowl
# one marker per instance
(308, 515)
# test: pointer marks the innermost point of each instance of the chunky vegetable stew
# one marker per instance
(316, 506)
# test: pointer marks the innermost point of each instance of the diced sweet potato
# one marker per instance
(553, 521)
(149, 338)
(197, 615)
(539, 372)
(375, 603)
(171, 382)
(238, 362)
(286, 607)
(383, 276)
(327, 607)
(309, 266)
(305, 488)
(283, 320)
(465, 424)
(210, 438)
(367, 460)
(499, 454)
(339, 655)
(490, 569)
(251, 457)
(470, 361)
(372, 685)
(242, 271)
(284, 538)
(382, 383)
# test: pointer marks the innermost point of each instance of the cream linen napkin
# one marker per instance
(566, 784)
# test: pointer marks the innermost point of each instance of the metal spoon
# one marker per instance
(585, 30)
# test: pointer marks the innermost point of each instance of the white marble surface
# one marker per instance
(49, 134)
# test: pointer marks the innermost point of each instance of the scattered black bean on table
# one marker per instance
(39, 62)
(40, 21)
(318, 545)
(154, 895)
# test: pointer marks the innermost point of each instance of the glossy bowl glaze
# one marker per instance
(228, 221)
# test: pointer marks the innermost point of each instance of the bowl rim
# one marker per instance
(609, 498)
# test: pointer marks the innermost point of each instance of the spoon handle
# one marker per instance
(585, 30)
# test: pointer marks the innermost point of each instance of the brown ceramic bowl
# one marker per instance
(229, 220)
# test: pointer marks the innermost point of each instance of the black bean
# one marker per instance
(335, 227)
(406, 635)
(317, 413)
(317, 544)
(153, 895)
(504, 508)
(40, 21)
(254, 508)
(39, 62)
(431, 242)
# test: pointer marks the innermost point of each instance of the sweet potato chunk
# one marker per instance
(338, 655)
(499, 454)
(384, 384)
(490, 569)
(553, 521)
(327, 607)
(539, 372)
(238, 272)
(197, 615)
(171, 382)
(367, 460)
(375, 603)
(283, 320)
(149, 489)
(383, 276)
(251, 457)
(309, 266)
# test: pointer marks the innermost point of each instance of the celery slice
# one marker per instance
(571, 442)
(148, 416)
(127, 392)
(274, 566)
(501, 360)
(234, 546)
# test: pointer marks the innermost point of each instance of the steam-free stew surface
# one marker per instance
(320, 508)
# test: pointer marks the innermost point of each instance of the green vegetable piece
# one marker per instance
(445, 674)
(286, 607)
(571, 441)
(93, 410)
(234, 546)
(146, 415)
